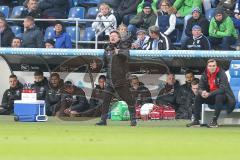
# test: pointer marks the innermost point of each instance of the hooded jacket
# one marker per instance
(141, 95)
(10, 95)
(116, 64)
(223, 88)
(53, 97)
(144, 21)
(62, 41)
(41, 88)
(77, 100)
(201, 21)
(32, 38)
(223, 28)
(6, 37)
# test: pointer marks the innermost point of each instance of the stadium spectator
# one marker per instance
(40, 85)
(167, 95)
(105, 14)
(166, 20)
(198, 41)
(11, 94)
(73, 101)
(236, 18)
(183, 10)
(143, 20)
(125, 10)
(222, 32)
(54, 8)
(49, 43)
(185, 111)
(53, 93)
(96, 99)
(182, 95)
(32, 36)
(6, 34)
(214, 89)
(157, 41)
(153, 5)
(142, 40)
(16, 42)
(62, 39)
(114, 4)
(141, 94)
(197, 19)
(31, 9)
(227, 6)
(115, 62)
(123, 30)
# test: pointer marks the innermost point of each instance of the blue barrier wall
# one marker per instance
(134, 53)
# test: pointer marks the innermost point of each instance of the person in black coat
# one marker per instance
(167, 95)
(198, 41)
(40, 85)
(197, 19)
(96, 99)
(54, 8)
(214, 89)
(186, 110)
(53, 93)
(141, 94)
(125, 9)
(31, 9)
(32, 36)
(115, 62)
(11, 94)
(73, 101)
(6, 34)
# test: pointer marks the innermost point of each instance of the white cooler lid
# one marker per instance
(29, 102)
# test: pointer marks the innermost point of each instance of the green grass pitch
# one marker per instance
(81, 140)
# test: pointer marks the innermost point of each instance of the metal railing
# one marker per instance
(77, 22)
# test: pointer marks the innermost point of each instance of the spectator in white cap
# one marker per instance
(157, 41)
(142, 40)
(198, 41)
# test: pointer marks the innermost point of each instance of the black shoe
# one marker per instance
(194, 123)
(101, 123)
(133, 122)
(212, 124)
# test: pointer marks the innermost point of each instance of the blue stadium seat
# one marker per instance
(210, 13)
(89, 34)
(234, 72)
(92, 13)
(71, 30)
(5, 11)
(16, 11)
(76, 12)
(49, 33)
(17, 30)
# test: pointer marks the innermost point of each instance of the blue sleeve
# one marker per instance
(68, 42)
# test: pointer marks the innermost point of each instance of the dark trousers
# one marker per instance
(217, 100)
(5, 111)
(224, 42)
(120, 92)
